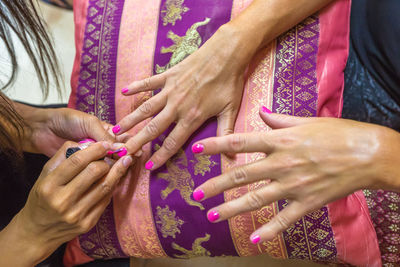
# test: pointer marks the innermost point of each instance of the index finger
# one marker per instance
(237, 143)
(75, 164)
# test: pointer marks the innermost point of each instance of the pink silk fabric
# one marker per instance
(138, 40)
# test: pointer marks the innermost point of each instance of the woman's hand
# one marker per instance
(209, 82)
(310, 162)
(206, 84)
(48, 129)
(67, 200)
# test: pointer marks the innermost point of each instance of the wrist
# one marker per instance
(390, 160)
(35, 120)
(235, 48)
(20, 246)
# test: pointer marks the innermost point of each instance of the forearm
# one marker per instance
(265, 20)
(18, 248)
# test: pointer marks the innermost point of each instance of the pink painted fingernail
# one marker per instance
(149, 165)
(255, 239)
(198, 194)
(266, 110)
(110, 152)
(124, 90)
(197, 148)
(213, 215)
(122, 152)
(116, 129)
(87, 140)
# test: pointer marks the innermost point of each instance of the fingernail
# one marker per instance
(109, 161)
(106, 145)
(213, 215)
(197, 148)
(110, 152)
(149, 165)
(124, 90)
(122, 152)
(255, 239)
(198, 194)
(266, 110)
(116, 129)
(87, 140)
(127, 161)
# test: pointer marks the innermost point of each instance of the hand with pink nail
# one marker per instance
(189, 97)
(309, 161)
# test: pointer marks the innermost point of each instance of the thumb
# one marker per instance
(226, 122)
(100, 131)
(278, 121)
(226, 126)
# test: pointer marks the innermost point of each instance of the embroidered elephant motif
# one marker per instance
(183, 45)
(197, 249)
(179, 179)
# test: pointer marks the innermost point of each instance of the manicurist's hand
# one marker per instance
(67, 200)
(48, 129)
(309, 161)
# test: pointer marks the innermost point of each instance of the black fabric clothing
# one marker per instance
(375, 36)
(372, 75)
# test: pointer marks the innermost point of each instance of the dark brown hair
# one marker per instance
(22, 18)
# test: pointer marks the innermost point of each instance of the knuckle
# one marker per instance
(282, 222)
(75, 160)
(212, 186)
(170, 144)
(147, 83)
(96, 169)
(105, 188)
(146, 108)
(71, 218)
(85, 226)
(238, 176)
(236, 142)
(45, 190)
(152, 129)
(254, 200)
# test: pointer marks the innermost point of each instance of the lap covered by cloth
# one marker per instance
(153, 215)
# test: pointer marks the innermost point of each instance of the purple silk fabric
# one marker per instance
(97, 83)
(295, 93)
(195, 221)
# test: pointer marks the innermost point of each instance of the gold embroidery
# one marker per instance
(179, 178)
(167, 222)
(173, 11)
(183, 46)
(197, 249)
(203, 164)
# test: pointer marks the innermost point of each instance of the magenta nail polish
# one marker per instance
(197, 148)
(124, 90)
(122, 152)
(149, 165)
(266, 110)
(110, 152)
(213, 215)
(87, 140)
(116, 129)
(198, 194)
(255, 239)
